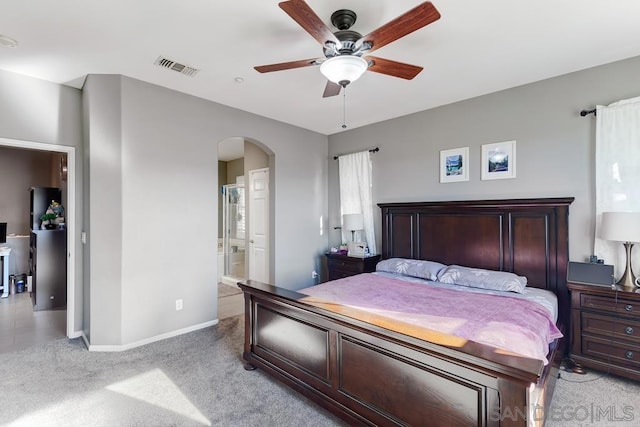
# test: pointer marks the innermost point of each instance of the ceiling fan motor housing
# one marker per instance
(343, 19)
(348, 41)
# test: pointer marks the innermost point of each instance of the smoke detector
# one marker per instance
(176, 66)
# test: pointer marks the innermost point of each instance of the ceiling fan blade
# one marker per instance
(288, 65)
(300, 12)
(331, 89)
(413, 20)
(393, 68)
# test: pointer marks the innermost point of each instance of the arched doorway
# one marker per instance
(244, 214)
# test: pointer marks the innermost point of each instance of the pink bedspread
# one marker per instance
(512, 324)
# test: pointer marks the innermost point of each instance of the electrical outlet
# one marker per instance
(178, 304)
(314, 274)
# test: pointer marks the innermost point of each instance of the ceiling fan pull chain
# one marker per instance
(344, 107)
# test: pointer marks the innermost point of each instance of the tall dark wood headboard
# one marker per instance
(528, 237)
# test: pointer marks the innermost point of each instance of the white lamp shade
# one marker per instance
(620, 226)
(352, 222)
(344, 68)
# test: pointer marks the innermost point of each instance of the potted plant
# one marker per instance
(47, 220)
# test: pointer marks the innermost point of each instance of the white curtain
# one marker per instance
(617, 173)
(355, 194)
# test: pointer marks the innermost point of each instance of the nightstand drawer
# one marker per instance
(605, 329)
(622, 306)
(341, 264)
(618, 328)
(618, 353)
(335, 273)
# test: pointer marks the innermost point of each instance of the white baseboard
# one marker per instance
(231, 281)
(76, 334)
(123, 347)
(85, 339)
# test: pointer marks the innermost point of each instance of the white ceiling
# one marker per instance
(477, 47)
(231, 149)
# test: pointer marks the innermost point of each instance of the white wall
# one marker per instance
(168, 231)
(555, 146)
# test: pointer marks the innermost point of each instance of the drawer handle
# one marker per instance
(628, 307)
(629, 354)
(628, 330)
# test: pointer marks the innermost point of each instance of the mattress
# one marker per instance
(545, 298)
(522, 324)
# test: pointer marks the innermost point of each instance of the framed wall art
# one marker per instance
(499, 160)
(454, 165)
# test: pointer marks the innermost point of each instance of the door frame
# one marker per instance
(71, 220)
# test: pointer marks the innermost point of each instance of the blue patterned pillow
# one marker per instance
(484, 279)
(411, 267)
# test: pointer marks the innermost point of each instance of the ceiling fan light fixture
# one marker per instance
(344, 69)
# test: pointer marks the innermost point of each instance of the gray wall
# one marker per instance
(153, 230)
(235, 168)
(149, 205)
(104, 169)
(152, 176)
(254, 158)
(44, 112)
(555, 146)
(86, 254)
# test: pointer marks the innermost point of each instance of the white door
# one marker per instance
(259, 225)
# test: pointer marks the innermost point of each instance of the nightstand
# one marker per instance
(339, 265)
(605, 327)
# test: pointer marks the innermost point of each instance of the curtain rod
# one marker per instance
(585, 112)
(373, 150)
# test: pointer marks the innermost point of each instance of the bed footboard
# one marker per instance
(372, 376)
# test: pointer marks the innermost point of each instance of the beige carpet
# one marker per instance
(595, 399)
(197, 379)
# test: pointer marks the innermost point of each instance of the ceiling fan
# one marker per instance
(343, 60)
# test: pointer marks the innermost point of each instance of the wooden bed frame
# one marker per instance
(370, 370)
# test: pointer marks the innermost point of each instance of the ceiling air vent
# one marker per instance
(176, 66)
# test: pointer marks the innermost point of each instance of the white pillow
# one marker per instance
(484, 279)
(411, 267)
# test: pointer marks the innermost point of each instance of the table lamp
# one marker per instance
(622, 227)
(352, 222)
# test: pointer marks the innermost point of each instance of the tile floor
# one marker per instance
(21, 327)
(229, 305)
